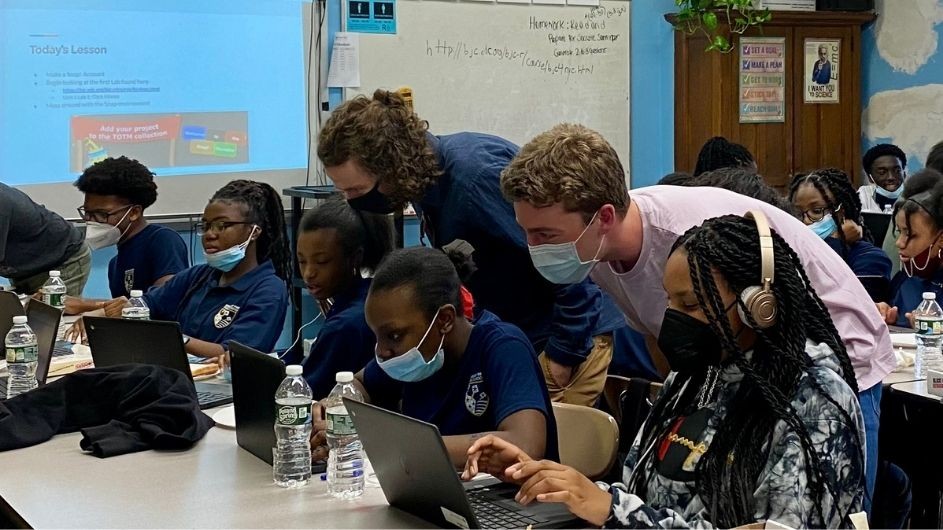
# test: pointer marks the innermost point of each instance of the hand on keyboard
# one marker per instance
(76, 333)
(492, 455)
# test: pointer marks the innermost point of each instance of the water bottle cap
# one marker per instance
(137, 293)
(929, 296)
(53, 274)
(293, 370)
(19, 319)
(344, 377)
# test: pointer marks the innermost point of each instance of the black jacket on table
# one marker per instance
(120, 409)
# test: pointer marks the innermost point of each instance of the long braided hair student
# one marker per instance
(726, 250)
(826, 202)
(840, 198)
(266, 211)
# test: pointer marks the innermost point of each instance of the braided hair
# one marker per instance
(718, 153)
(727, 473)
(839, 195)
(266, 211)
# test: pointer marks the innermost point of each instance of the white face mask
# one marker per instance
(101, 235)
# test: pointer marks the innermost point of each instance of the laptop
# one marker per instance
(877, 223)
(417, 476)
(255, 378)
(116, 341)
(10, 306)
(44, 321)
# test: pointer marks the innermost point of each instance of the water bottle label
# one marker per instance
(292, 414)
(340, 424)
(53, 299)
(929, 327)
(23, 354)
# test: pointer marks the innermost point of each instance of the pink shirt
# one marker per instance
(669, 211)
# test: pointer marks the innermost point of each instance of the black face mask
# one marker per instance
(689, 345)
(373, 201)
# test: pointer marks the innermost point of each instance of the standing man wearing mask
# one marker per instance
(886, 167)
(117, 191)
(380, 155)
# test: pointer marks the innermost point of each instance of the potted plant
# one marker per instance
(717, 19)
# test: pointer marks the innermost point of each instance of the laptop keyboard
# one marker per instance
(493, 515)
(209, 396)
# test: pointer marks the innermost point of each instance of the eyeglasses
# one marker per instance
(216, 227)
(815, 215)
(100, 216)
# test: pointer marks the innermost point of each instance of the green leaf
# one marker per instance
(710, 21)
(720, 42)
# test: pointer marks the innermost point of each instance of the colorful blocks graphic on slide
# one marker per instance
(216, 135)
(201, 147)
(236, 137)
(194, 132)
(224, 149)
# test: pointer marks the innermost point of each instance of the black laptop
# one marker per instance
(10, 306)
(417, 476)
(116, 341)
(877, 223)
(255, 378)
(44, 321)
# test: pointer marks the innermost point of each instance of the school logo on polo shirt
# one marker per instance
(476, 400)
(225, 316)
(128, 280)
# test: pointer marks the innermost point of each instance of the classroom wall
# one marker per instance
(902, 78)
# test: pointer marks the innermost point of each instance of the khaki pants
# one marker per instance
(588, 379)
(75, 271)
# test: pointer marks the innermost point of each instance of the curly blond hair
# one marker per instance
(570, 164)
(387, 139)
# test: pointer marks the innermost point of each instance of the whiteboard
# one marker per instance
(513, 70)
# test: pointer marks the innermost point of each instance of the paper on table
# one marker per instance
(904, 340)
(594, 3)
(345, 61)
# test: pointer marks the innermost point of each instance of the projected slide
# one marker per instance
(185, 87)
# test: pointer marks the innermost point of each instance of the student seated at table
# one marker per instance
(467, 378)
(241, 293)
(886, 168)
(825, 201)
(918, 220)
(759, 419)
(336, 245)
(117, 192)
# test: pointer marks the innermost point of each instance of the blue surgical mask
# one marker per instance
(560, 263)
(889, 194)
(411, 366)
(226, 260)
(824, 227)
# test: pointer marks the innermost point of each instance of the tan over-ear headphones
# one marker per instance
(759, 300)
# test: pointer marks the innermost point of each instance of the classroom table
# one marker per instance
(215, 484)
(909, 417)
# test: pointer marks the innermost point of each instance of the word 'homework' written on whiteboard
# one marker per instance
(513, 70)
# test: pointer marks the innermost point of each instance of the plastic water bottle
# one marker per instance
(136, 309)
(928, 320)
(54, 290)
(22, 353)
(292, 455)
(345, 470)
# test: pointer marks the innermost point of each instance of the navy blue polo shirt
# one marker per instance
(153, 253)
(497, 376)
(344, 344)
(907, 293)
(250, 311)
